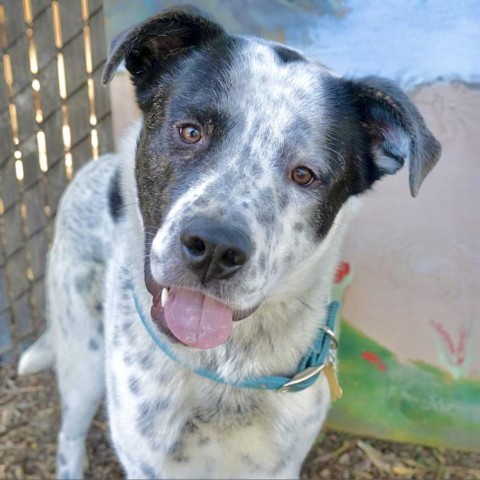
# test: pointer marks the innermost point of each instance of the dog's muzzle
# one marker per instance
(212, 249)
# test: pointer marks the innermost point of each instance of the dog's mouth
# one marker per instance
(193, 318)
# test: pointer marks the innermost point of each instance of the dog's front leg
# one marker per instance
(79, 365)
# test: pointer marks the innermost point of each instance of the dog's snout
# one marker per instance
(214, 250)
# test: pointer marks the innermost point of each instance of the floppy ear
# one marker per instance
(394, 129)
(153, 46)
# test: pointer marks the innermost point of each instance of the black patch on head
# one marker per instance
(286, 55)
(165, 166)
(350, 159)
(93, 344)
(115, 200)
(367, 120)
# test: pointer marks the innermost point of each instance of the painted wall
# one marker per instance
(411, 313)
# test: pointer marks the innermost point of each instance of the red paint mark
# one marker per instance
(374, 359)
(457, 352)
(342, 271)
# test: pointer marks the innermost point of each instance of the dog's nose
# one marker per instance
(214, 250)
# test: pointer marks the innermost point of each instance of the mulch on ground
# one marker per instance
(29, 419)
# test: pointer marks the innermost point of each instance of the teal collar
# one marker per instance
(312, 364)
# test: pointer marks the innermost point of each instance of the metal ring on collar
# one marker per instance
(332, 335)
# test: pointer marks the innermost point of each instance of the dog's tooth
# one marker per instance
(164, 297)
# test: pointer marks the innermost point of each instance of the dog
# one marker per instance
(191, 272)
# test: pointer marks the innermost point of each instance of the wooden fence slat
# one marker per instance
(5, 337)
(13, 231)
(35, 200)
(15, 269)
(25, 114)
(37, 246)
(53, 136)
(78, 114)
(102, 96)
(38, 295)
(97, 32)
(20, 64)
(57, 182)
(23, 317)
(75, 64)
(44, 39)
(30, 161)
(71, 19)
(39, 5)
(94, 4)
(8, 184)
(49, 92)
(14, 19)
(5, 135)
(3, 90)
(82, 153)
(105, 138)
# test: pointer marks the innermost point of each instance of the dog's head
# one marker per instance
(247, 154)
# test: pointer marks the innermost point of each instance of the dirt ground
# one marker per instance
(29, 418)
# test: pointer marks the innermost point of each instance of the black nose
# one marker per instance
(214, 249)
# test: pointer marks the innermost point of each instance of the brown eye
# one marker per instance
(303, 176)
(190, 134)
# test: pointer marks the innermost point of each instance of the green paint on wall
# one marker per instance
(413, 402)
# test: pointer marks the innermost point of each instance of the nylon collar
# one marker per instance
(308, 370)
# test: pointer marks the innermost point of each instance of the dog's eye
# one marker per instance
(303, 176)
(190, 134)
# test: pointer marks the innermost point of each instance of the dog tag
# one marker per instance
(336, 391)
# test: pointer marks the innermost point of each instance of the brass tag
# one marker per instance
(336, 391)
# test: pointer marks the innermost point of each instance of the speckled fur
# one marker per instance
(265, 110)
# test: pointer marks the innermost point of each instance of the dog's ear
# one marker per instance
(394, 129)
(158, 42)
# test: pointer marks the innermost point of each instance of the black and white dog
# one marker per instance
(201, 258)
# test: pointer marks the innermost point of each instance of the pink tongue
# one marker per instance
(197, 320)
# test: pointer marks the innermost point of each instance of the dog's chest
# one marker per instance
(176, 433)
(168, 422)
